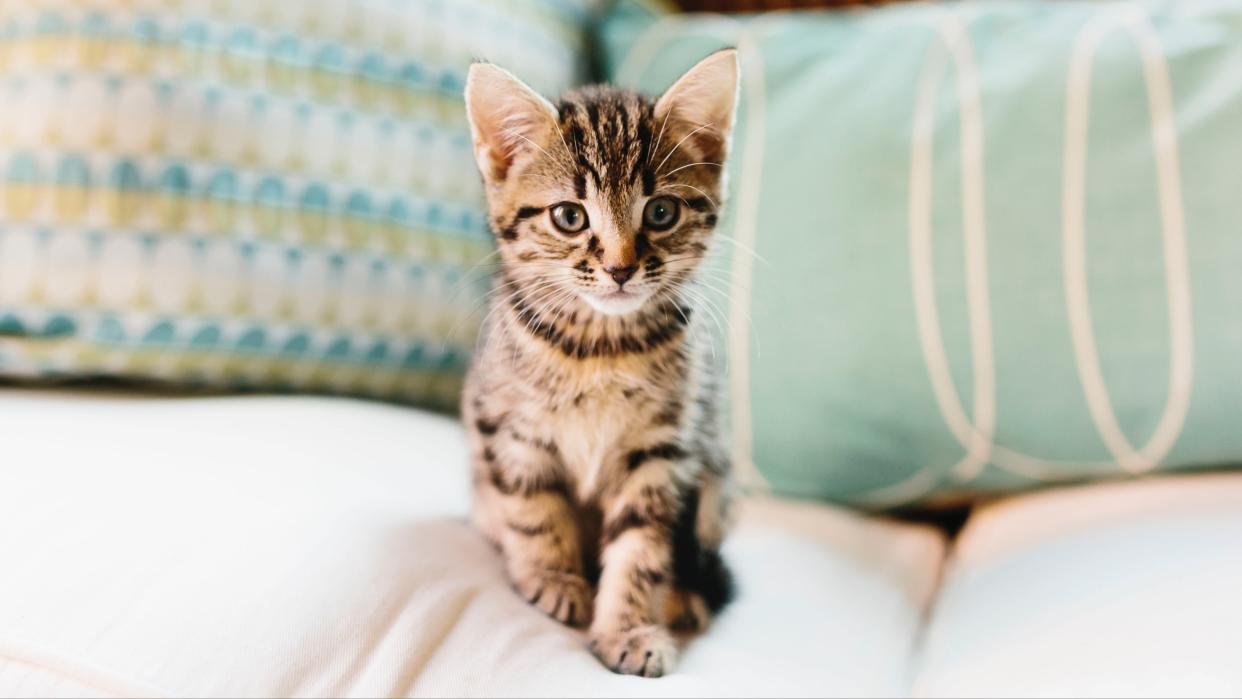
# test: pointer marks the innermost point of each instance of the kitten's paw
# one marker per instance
(686, 612)
(647, 651)
(565, 597)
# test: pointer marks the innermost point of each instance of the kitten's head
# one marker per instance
(607, 198)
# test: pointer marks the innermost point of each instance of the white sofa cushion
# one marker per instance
(301, 546)
(1127, 589)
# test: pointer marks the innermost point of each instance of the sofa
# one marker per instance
(975, 295)
(157, 545)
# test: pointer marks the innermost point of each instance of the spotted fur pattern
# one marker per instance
(598, 468)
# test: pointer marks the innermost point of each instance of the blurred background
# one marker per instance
(975, 294)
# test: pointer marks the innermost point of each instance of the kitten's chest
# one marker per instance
(591, 436)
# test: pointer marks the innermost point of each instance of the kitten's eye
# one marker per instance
(660, 213)
(570, 218)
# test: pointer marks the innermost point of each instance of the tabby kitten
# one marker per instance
(590, 405)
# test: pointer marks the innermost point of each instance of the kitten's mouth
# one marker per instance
(615, 303)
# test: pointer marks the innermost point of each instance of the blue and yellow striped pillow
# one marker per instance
(253, 193)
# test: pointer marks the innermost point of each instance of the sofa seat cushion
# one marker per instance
(1110, 590)
(306, 547)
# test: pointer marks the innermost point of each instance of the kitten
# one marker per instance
(590, 406)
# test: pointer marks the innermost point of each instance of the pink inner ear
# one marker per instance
(710, 145)
(705, 143)
(706, 94)
(509, 119)
(515, 134)
(499, 160)
(498, 150)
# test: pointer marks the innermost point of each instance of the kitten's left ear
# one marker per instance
(705, 98)
(508, 120)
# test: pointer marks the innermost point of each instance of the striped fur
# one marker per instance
(590, 406)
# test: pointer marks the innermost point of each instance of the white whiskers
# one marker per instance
(705, 194)
(683, 167)
(683, 140)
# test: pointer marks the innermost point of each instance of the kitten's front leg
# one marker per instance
(637, 566)
(522, 491)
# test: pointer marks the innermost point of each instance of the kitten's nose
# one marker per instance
(621, 275)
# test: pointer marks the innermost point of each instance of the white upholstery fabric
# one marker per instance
(300, 546)
(1129, 589)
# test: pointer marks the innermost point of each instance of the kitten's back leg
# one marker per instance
(703, 584)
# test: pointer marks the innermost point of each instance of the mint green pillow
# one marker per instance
(271, 194)
(996, 245)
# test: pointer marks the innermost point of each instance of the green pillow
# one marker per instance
(271, 194)
(996, 245)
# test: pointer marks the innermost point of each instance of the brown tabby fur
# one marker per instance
(597, 458)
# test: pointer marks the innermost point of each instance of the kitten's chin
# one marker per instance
(618, 303)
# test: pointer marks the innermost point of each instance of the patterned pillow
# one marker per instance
(253, 193)
(975, 246)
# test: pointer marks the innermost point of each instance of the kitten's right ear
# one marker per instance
(508, 120)
(703, 102)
